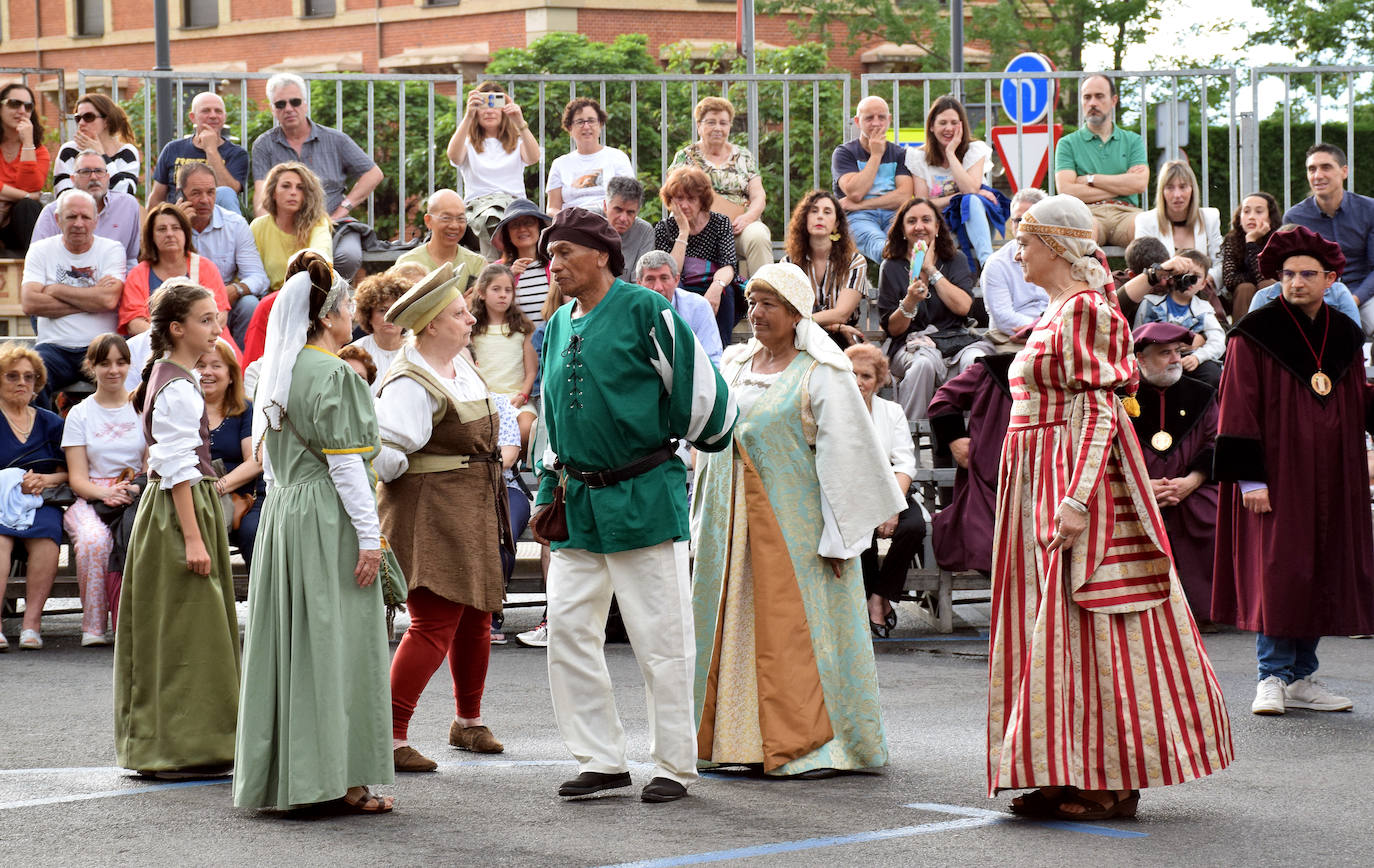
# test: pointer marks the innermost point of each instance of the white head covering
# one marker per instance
(1066, 226)
(794, 287)
(287, 327)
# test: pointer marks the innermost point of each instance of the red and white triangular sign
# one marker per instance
(1028, 159)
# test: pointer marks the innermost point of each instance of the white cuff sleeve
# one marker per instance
(350, 478)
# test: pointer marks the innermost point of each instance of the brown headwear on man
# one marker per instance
(590, 230)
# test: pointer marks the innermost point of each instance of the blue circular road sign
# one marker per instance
(1028, 100)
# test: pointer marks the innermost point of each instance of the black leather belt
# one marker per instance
(607, 478)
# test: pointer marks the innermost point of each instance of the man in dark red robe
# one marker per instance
(962, 532)
(1177, 428)
(1294, 558)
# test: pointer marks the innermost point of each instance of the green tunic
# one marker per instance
(618, 384)
(315, 712)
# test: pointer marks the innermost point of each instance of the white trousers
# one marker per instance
(653, 588)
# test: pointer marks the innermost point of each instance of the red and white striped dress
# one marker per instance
(1121, 696)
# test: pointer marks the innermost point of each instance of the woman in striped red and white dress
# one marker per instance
(1099, 684)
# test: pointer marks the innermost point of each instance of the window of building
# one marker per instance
(199, 13)
(441, 2)
(90, 17)
(317, 8)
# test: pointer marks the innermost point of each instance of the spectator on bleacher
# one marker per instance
(516, 238)
(1102, 164)
(446, 218)
(1343, 217)
(500, 344)
(1142, 254)
(206, 145)
(925, 314)
(1337, 295)
(23, 166)
(383, 341)
(1178, 218)
(361, 362)
(702, 244)
(736, 182)
(951, 170)
(222, 236)
(167, 252)
(962, 532)
(1012, 301)
(118, 215)
(826, 480)
(490, 149)
(819, 243)
(103, 442)
(331, 155)
(30, 442)
(316, 638)
(101, 126)
(435, 406)
(1251, 225)
(230, 415)
(658, 271)
(579, 177)
(72, 284)
(885, 581)
(295, 218)
(1177, 429)
(871, 177)
(624, 198)
(1173, 297)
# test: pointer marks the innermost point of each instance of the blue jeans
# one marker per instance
(1290, 659)
(869, 229)
(978, 229)
(63, 365)
(240, 315)
(519, 518)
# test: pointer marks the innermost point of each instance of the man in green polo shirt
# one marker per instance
(1102, 164)
(446, 219)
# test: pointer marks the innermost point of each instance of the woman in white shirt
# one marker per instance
(953, 164)
(907, 529)
(1179, 221)
(103, 440)
(579, 177)
(491, 148)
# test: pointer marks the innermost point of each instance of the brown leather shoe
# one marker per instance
(477, 739)
(408, 759)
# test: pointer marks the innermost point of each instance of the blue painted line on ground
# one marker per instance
(136, 791)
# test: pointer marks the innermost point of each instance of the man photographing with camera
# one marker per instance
(1169, 292)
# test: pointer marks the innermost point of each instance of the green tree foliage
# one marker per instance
(1321, 31)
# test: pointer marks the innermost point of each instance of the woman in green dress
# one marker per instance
(176, 673)
(315, 712)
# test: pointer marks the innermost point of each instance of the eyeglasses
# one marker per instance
(449, 218)
(15, 377)
(85, 117)
(18, 103)
(295, 102)
(585, 122)
(715, 122)
(89, 172)
(1306, 274)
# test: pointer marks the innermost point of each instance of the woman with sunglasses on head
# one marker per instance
(23, 166)
(101, 126)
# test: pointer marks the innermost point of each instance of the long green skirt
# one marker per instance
(177, 647)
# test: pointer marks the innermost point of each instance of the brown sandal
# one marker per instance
(1119, 808)
(1039, 804)
(370, 803)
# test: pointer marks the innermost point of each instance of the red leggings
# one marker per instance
(439, 628)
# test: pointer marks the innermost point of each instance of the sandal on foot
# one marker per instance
(1117, 808)
(370, 803)
(891, 618)
(880, 631)
(1038, 803)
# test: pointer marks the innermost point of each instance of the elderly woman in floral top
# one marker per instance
(735, 178)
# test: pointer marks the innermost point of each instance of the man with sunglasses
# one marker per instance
(118, 215)
(206, 143)
(329, 153)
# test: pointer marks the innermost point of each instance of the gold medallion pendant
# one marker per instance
(1161, 441)
(1321, 384)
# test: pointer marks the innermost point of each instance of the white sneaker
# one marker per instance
(30, 640)
(1269, 697)
(89, 639)
(536, 638)
(4, 643)
(1310, 693)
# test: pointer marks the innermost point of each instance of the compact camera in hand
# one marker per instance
(496, 100)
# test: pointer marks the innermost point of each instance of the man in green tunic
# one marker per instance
(624, 378)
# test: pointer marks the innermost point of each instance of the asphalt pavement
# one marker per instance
(1296, 794)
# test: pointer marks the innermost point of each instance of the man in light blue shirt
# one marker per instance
(224, 238)
(656, 270)
(118, 215)
(1012, 301)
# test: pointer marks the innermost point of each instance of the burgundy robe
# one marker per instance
(962, 532)
(1190, 418)
(1306, 569)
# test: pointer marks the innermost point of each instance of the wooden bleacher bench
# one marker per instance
(13, 320)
